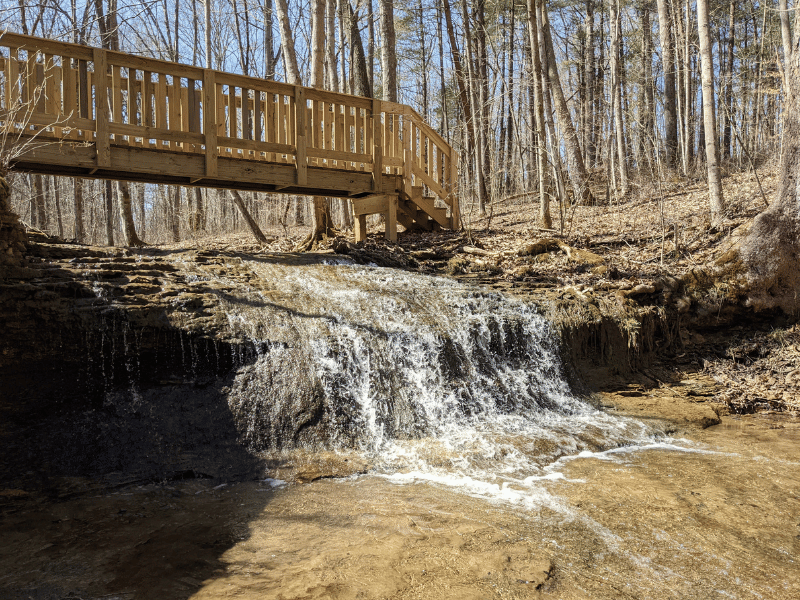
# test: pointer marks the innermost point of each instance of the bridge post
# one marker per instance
(301, 161)
(209, 120)
(455, 209)
(391, 217)
(101, 112)
(407, 162)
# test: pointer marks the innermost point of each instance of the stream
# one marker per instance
(449, 459)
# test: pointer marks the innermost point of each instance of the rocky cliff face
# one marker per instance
(12, 235)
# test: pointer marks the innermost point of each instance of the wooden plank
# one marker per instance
(247, 119)
(407, 157)
(280, 125)
(209, 124)
(337, 98)
(31, 43)
(253, 83)
(155, 133)
(428, 180)
(239, 143)
(154, 65)
(339, 156)
(102, 140)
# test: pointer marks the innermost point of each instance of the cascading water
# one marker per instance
(430, 378)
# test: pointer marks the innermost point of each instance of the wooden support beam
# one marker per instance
(370, 205)
(102, 116)
(360, 227)
(391, 218)
(209, 121)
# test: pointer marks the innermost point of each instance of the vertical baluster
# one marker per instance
(281, 125)
(193, 119)
(220, 103)
(339, 135)
(57, 76)
(377, 148)
(349, 133)
(161, 106)
(70, 93)
(328, 128)
(184, 104)
(257, 112)
(173, 110)
(232, 118)
(269, 123)
(247, 119)
(318, 128)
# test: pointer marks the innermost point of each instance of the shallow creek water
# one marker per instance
(720, 519)
(485, 477)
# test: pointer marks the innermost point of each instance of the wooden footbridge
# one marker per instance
(67, 109)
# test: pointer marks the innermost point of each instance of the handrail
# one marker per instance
(77, 93)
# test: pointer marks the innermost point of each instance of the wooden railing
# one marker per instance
(71, 93)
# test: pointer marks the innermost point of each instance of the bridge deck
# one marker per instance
(67, 109)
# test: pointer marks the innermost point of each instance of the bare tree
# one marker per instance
(716, 200)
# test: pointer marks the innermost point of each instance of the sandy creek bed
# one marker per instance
(718, 520)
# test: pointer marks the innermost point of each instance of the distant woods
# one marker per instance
(558, 103)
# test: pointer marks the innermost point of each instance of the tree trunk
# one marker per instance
(576, 166)
(77, 191)
(766, 260)
(538, 116)
(616, 95)
(330, 45)
(126, 215)
(109, 202)
(668, 66)
(716, 200)
(251, 223)
(287, 44)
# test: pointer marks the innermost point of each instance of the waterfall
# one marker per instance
(422, 374)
